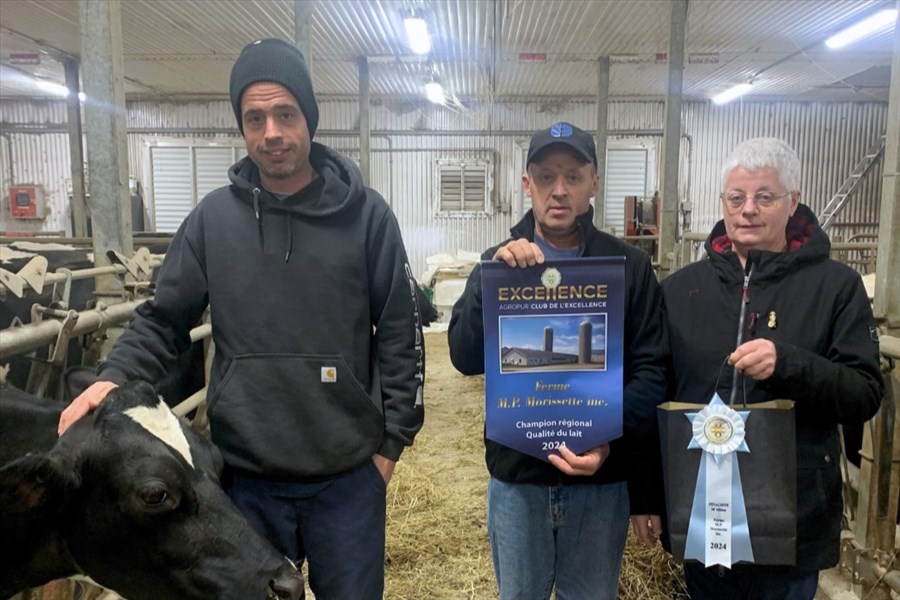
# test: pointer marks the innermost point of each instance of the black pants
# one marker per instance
(337, 525)
(748, 582)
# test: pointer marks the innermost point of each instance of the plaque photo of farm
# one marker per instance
(553, 343)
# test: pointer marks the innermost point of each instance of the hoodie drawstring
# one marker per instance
(287, 224)
(259, 227)
(290, 237)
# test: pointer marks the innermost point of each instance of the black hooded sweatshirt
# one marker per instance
(816, 313)
(319, 360)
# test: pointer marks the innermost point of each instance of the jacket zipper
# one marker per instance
(745, 300)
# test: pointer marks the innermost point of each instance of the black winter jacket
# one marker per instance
(816, 312)
(319, 359)
(646, 352)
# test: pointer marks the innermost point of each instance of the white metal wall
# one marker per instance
(830, 138)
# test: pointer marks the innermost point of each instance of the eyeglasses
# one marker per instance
(735, 200)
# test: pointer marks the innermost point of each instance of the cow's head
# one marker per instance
(131, 498)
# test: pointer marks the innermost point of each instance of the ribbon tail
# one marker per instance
(695, 545)
(741, 548)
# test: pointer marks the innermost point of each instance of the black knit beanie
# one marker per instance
(280, 62)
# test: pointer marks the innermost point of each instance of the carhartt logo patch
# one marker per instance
(329, 374)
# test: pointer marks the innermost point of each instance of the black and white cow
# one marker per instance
(129, 497)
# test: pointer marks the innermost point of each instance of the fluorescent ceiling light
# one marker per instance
(52, 88)
(417, 35)
(877, 22)
(434, 92)
(56, 89)
(732, 93)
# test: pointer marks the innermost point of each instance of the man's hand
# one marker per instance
(580, 464)
(755, 359)
(385, 467)
(520, 253)
(647, 528)
(85, 403)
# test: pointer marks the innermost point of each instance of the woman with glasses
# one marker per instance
(809, 336)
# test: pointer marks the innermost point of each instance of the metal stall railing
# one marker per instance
(869, 548)
(55, 325)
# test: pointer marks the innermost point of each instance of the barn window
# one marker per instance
(182, 172)
(630, 168)
(464, 187)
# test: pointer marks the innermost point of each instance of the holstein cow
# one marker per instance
(129, 497)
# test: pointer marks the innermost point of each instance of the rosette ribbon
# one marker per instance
(718, 533)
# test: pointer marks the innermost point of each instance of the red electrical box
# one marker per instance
(26, 202)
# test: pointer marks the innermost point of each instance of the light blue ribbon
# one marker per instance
(695, 546)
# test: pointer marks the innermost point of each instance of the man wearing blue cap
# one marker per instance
(563, 524)
(316, 386)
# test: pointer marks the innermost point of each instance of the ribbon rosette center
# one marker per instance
(718, 429)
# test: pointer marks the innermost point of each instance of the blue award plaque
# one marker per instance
(553, 353)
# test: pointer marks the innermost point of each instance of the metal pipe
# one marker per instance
(854, 246)
(523, 133)
(19, 340)
(87, 273)
(190, 403)
(9, 156)
(200, 332)
(890, 578)
(365, 132)
(698, 236)
(889, 346)
(76, 149)
(80, 241)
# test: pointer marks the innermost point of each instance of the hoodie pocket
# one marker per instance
(294, 415)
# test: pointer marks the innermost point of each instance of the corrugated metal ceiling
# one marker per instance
(179, 49)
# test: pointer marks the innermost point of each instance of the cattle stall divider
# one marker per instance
(55, 325)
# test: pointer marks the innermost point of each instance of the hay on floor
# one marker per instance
(437, 546)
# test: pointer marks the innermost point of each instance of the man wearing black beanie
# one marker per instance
(279, 62)
(316, 385)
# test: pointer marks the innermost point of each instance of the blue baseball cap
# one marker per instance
(566, 134)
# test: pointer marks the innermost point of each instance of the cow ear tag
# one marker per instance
(329, 374)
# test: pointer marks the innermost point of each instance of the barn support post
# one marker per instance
(302, 25)
(869, 552)
(668, 231)
(602, 135)
(76, 148)
(365, 131)
(887, 284)
(104, 111)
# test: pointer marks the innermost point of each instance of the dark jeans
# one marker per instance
(748, 582)
(336, 524)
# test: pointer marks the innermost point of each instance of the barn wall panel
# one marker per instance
(409, 137)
